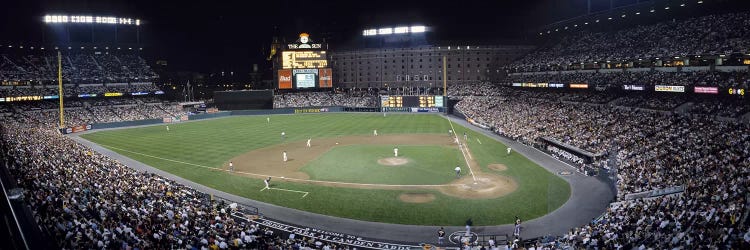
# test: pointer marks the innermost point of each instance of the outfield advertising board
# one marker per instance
(669, 88)
(706, 90)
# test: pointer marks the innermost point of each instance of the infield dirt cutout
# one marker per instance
(268, 161)
(393, 161)
(497, 167)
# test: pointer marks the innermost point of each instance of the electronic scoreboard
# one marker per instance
(425, 101)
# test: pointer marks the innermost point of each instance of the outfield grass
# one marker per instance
(210, 143)
(428, 165)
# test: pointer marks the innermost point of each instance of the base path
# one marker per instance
(589, 198)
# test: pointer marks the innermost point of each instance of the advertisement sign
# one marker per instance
(303, 59)
(579, 85)
(2, 99)
(139, 93)
(517, 84)
(285, 79)
(23, 98)
(422, 110)
(304, 78)
(47, 97)
(86, 95)
(634, 87)
(304, 42)
(158, 92)
(166, 120)
(556, 85)
(326, 79)
(706, 90)
(669, 88)
(310, 110)
(113, 94)
(737, 91)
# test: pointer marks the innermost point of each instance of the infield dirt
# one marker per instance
(474, 184)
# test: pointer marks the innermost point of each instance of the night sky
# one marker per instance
(210, 36)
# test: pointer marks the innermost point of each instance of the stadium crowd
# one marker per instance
(652, 151)
(79, 66)
(326, 99)
(706, 35)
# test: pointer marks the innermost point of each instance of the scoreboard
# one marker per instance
(425, 101)
(303, 59)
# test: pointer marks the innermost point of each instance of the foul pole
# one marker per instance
(60, 89)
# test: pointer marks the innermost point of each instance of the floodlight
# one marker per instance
(401, 30)
(418, 29)
(385, 31)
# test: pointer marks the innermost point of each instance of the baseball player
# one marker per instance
(458, 171)
(375, 132)
(441, 236)
(509, 150)
(395, 152)
(450, 132)
(283, 135)
(231, 166)
(267, 181)
(284, 155)
(308, 142)
(167, 127)
(456, 140)
(268, 120)
(465, 136)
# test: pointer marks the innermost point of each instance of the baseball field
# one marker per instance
(348, 171)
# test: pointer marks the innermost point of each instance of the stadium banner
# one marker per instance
(139, 93)
(706, 90)
(325, 78)
(736, 91)
(579, 85)
(634, 87)
(212, 110)
(75, 129)
(517, 84)
(86, 95)
(167, 120)
(285, 79)
(669, 88)
(422, 110)
(23, 98)
(556, 85)
(310, 110)
(2, 99)
(158, 92)
(48, 97)
(111, 94)
(184, 118)
(535, 85)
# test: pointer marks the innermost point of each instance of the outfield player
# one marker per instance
(283, 135)
(268, 120)
(284, 155)
(458, 171)
(395, 152)
(308, 142)
(375, 132)
(509, 150)
(231, 166)
(167, 127)
(466, 138)
(267, 181)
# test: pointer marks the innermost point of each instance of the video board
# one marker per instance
(306, 59)
(305, 78)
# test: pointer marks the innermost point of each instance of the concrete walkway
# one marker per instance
(589, 199)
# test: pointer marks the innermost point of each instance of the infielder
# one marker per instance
(308, 142)
(375, 132)
(458, 171)
(509, 150)
(395, 152)
(284, 155)
(267, 181)
(231, 166)
(450, 132)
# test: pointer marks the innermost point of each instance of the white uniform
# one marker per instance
(283, 135)
(167, 128)
(267, 181)
(231, 166)
(308, 142)
(284, 154)
(509, 150)
(458, 171)
(375, 132)
(395, 152)
(268, 119)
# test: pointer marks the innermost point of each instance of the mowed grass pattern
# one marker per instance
(428, 165)
(211, 143)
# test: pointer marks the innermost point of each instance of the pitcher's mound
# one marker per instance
(416, 197)
(393, 161)
(498, 167)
